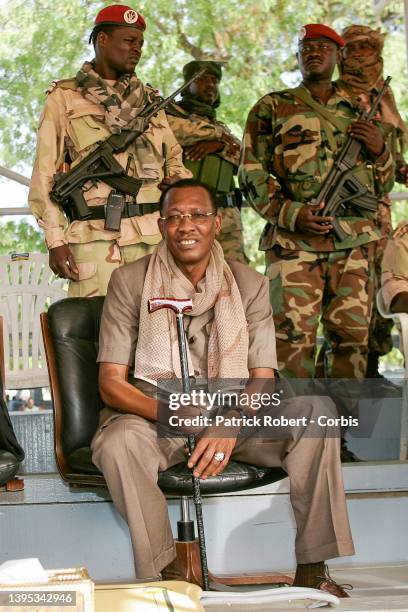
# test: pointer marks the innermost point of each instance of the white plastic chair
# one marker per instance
(27, 288)
(401, 321)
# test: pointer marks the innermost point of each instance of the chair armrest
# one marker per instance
(401, 319)
(381, 306)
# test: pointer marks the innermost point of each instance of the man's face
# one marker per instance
(357, 48)
(317, 57)
(205, 88)
(189, 240)
(121, 49)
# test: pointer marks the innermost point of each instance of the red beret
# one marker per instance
(319, 30)
(121, 15)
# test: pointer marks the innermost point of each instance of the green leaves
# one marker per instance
(45, 40)
(20, 237)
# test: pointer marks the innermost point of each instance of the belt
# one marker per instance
(229, 200)
(130, 210)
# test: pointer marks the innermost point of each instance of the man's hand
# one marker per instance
(308, 222)
(402, 174)
(201, 149)
(369, 135)
(202, 459)
(62, 262)
(166, 181)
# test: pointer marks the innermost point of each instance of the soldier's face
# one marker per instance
(205, 88)
(317, 57)
(357, 48)
(121, 49)
(189, 239)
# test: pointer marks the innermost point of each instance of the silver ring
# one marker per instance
(219, 456)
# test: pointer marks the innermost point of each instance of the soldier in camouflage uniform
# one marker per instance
(361, 68)
(210, 150)
(103, 98)
(291, 139)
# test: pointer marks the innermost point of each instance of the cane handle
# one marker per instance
(177, 306)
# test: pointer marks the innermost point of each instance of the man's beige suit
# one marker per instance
(130, 454)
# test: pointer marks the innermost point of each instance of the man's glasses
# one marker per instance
(198, 218)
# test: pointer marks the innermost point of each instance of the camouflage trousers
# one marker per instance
(334, 287)
(231, 236)
(97, 260)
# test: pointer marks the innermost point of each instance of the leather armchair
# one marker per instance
(70, 332)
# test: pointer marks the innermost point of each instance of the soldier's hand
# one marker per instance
(402, 175)
(62, 262)
(369, 135)
(199, 150)
(233, 143)
(308, 222)
(167, 180)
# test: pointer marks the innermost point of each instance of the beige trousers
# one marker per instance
(97, 260)
(130, 454)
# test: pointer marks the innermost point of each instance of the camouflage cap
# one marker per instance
(359, 32)
(193, 67)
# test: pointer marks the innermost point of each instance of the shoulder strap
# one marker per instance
(304, 95)
(326, 117)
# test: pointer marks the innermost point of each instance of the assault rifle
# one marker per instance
(101, 165)
(341, 185)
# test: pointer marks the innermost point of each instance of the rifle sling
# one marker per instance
(326, 117)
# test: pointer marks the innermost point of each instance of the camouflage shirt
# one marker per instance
(192, 128)
(287, 153)
(70, 123)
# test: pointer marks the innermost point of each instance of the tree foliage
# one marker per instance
(254, 38)
(20, 237)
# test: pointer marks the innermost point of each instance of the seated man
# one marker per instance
(394, 280)
(230, 334)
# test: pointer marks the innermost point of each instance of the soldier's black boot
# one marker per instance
(372, 365)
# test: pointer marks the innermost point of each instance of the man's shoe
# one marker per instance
(330, 586)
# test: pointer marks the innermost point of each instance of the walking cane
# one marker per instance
(179, 307)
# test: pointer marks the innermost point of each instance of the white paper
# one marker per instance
(22, 571)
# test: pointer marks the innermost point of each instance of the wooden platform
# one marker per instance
(248, 531)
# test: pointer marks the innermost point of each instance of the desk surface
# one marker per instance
(149, 597)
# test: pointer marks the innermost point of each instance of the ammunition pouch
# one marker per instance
(214, 171)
